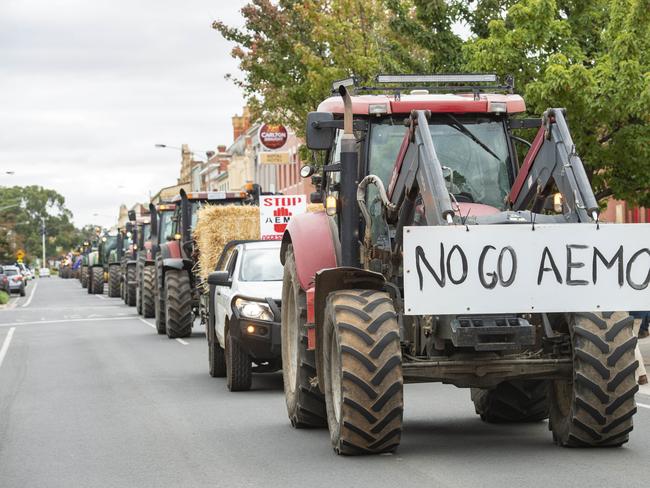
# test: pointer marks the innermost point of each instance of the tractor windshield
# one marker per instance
(166, 226)
(146, 232)
(474, 155)
(109, 245)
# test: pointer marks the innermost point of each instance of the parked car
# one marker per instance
(4, 282)
(25, 271)
(17, 282)
(44, 273)
(246, 311)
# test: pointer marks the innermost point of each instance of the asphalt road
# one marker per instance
(90, 396)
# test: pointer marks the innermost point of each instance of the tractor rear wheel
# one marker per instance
(130, 288)
(89, 287)
(114, 281)
(98, 280)
(305, 402)
(239, 371)
(595, 407)
(148, 290)
(138, 291)
(178, 302)
(362, 372)
(512, 401)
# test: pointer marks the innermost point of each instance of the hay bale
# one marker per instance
(219, 224)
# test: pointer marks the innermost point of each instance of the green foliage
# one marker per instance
(22, 223)
(4, 298)
(589, 57)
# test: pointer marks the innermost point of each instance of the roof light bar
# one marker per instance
(441, 78)
(346, 82)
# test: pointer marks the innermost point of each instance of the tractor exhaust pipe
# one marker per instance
(349, 183)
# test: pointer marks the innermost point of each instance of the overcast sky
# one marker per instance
(87, 87)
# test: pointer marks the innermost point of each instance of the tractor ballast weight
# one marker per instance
(345, 313)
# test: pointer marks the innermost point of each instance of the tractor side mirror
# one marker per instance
(219, 278)
(316, 197)
(132, 215)
(319, 132)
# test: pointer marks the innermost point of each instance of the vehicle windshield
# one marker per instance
(11, 272)
(146, 231)
(471, 172)
(261, 265)
(109, 245)
(166, 227)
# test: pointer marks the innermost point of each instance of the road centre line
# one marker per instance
(46, 322)
(145, 322)
(185, 343)
(5, 344)
(29, 300)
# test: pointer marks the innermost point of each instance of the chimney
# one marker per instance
(241, 123)
(221, 149)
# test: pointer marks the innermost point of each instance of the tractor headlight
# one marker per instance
(254, 310)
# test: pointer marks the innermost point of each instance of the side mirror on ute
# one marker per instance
(319, 133)
(219, 278)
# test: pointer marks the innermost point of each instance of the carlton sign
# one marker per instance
(273, 136)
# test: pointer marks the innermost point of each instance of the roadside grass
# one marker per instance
(4, 298)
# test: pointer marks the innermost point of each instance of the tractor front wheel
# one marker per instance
(305, 402)
(98, 280)
(148, 290)
(84, 277)
(362, 369)
(114, 281)
(130, 288)
(595, 407)
(178, 304)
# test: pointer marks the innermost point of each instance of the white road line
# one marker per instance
(182, 342)
(5, 344)
(46, 322)
(101, 297)
(29, 300)
(145, 322)
(643, 405)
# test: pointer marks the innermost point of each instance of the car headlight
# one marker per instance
(254, 310)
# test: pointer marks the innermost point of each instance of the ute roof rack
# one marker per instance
(439, 82)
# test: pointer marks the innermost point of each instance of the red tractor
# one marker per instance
(162, 231)
(441, 257)
(177, 280)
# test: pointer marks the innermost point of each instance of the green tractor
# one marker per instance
(115, 261)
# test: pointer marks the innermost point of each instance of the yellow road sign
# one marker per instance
(20, 254)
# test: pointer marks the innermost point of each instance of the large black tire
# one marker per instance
(148, 290)
(362, 372)
(89, 287)
(178, 304)
(114, 281)
(216, 354)
(138, 291)
(239, 371)
(596, 407)
(159, 303)
(84, 277)
(22, 291)
(305, 402)
(98, 280)
(513, 401)
(130, 289)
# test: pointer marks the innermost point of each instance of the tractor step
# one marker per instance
(492, 332)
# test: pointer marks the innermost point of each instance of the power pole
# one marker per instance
(43, 265)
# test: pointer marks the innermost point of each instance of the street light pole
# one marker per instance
(43, 239)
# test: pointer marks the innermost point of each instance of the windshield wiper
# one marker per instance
(458, 125)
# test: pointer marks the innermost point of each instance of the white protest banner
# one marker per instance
(452, 270)
(275, 213)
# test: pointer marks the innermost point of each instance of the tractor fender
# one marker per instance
(315, 245)
(333, 279)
